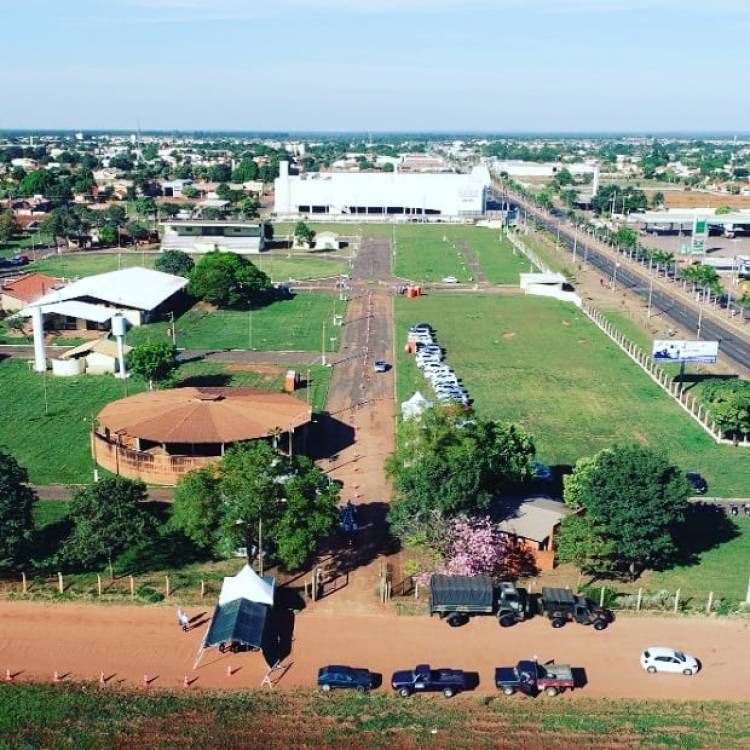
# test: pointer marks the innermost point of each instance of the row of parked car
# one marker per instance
(528, 676)
(429, 358)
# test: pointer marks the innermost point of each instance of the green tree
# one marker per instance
(170, 210)
(249, 208)
(116, 215)
(626, 237)
(730, 409)
(146, 207)
(175, 262)
(107, 236)
(220, 173)
(584, 544)
(108, 518)
(190, 192)
(16, 521)
(292, 497)
(303, 234)
(454, 463)
(196, 510)
(723, 210)
(634, 498)
(153, 362)
(8, 226)
(229, 280)
(246, 171)
(224, 192)
(657, 199)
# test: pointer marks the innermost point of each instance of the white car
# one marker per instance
(665, 659)
(450, 280)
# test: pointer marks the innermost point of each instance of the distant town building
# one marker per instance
(382, 193)
(203, 236)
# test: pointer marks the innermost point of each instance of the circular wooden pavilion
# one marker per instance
(158, 436)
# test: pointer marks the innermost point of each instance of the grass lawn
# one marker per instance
(429, 252)
(86, 264)
(89, 719)
(286, 325)
(22, 243)
(542, 363)
(54, 447)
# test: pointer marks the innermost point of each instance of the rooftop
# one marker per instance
(532, 518)
(30, 286)
(204, 415)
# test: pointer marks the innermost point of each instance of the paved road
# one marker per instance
(731, 344)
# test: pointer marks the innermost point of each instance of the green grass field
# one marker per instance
(286, 325)
(278, 268)
(80, 716)
(542, 363)
(432, 252)
(54, 446)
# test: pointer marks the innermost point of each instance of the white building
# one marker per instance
(518, 168)
(204, 236)
(381, 193)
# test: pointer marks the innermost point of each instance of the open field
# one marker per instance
(85, 264)
(87, 719)
(54, 447)
(541, 363)
(432, 252)
(286, 325)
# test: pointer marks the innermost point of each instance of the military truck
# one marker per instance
(562, 606)
(458, 598)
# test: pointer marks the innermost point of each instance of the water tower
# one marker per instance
(119, 329)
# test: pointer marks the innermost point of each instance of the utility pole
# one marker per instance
(700, 321)
(650, 294)
(575, 246)
(174, 333)
(260, 545)
(323, 347)
(250, 328)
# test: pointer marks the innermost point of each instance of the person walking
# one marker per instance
(183, 620)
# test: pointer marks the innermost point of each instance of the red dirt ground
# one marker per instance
(130, 642)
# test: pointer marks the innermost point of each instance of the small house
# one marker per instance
(327, 241)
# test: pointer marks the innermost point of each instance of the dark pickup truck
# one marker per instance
(562, 605)
(457, 598)
(423, 679)
(532, 678)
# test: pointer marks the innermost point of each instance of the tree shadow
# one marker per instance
(48, 540)
(167, 550)
(706, 527)
(216, 379)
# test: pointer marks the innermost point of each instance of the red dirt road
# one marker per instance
(130, 642)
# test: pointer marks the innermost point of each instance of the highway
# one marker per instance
(731, 345)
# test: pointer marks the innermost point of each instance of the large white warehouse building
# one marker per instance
(390, 193)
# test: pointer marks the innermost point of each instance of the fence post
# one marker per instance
(601, 597)
(166, 585)
(24, 587)
(676, 601)
(416, 589)
(99, 584)
(203, 588)
(60, 583)
(710, 602)
(639, 600)
(132, 585)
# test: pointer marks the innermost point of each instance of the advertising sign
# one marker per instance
(700, 235)
(688, 352)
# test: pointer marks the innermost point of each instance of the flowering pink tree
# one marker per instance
(475, 547)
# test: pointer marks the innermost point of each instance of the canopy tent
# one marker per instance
(247, 584)
(239, 622)
(414, 406)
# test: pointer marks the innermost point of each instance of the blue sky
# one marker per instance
(479, 65)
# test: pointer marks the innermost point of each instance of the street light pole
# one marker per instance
(650, 294)
(614, 276)
(700, 321)
(323, 347)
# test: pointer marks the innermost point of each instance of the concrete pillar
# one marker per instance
(40, 358)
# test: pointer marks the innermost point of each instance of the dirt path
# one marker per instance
(476, 269)
(360, 434)
(130, 642)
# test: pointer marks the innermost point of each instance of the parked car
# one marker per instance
(16, 260)
(339, 677)
(423, 679)
(532, 678)
(541, 472)
(421, 328)
(664, 659)
(697, 482)
(380, 365)
(450, 280)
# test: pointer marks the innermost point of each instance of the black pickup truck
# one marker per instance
(423, 679)
(457, 598)
(531, 678)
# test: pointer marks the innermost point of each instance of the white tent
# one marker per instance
(247, 584)
(414, 406)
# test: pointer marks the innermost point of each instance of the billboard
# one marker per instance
(689, 352)
(700, 235)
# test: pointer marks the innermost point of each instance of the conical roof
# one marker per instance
(204, 415)
(247, 584)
